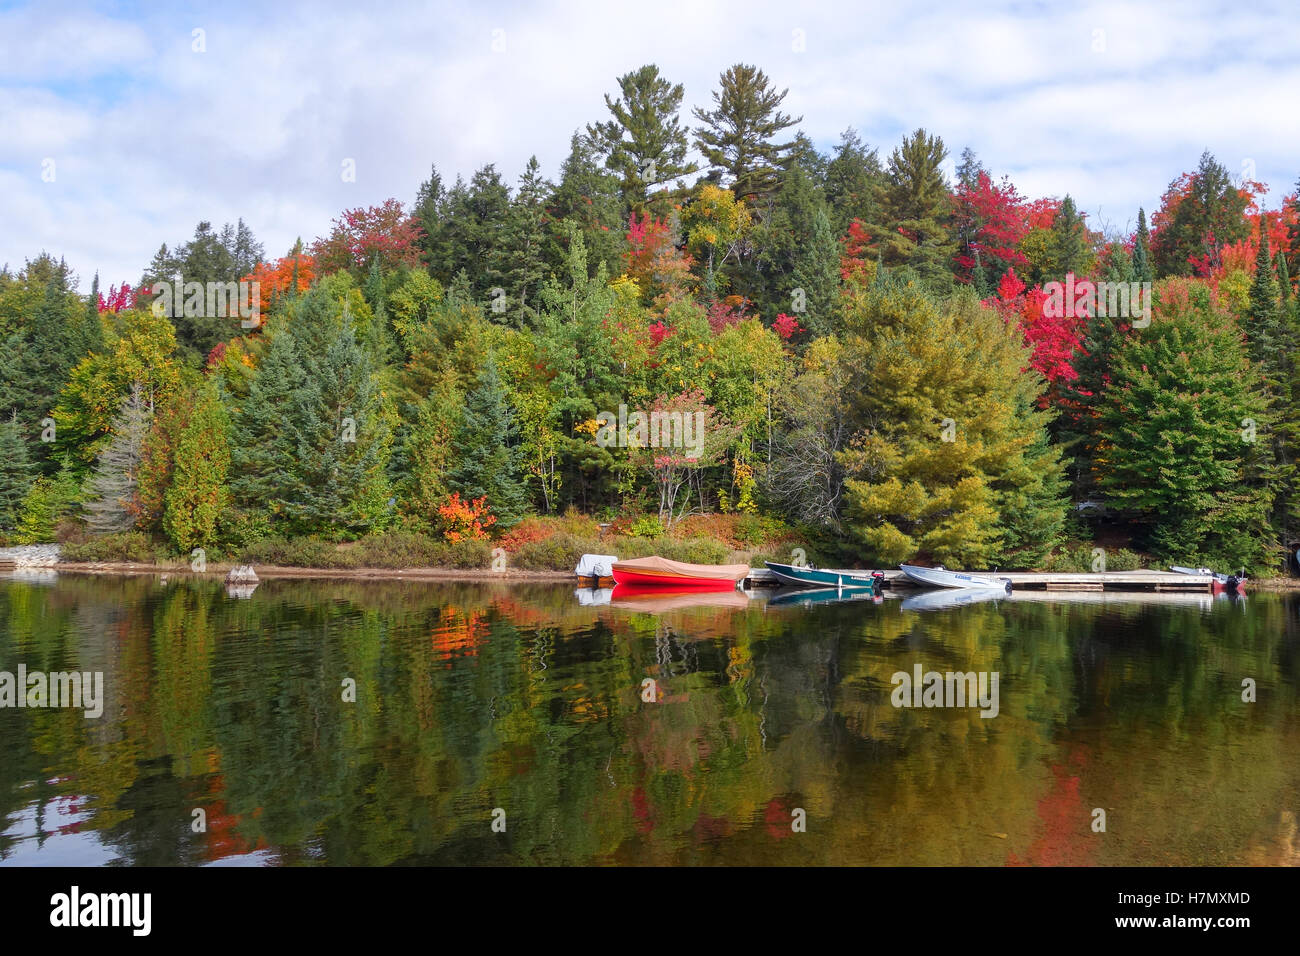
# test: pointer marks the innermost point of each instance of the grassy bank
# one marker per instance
(535, 545)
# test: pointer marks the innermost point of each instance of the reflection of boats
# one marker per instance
(1202, 599)
(941, 577)
(951, 597)
(590, 597)
(806, 597)
(1222, 582)
(657, 600)
(810, 577)
(661, 573)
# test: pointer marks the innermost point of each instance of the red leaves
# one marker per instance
(853, 258)
(727, 312)
(465, 520)
(786, 326)
(994, 218)
(1054, 339)
(360, 234)
(119, 298)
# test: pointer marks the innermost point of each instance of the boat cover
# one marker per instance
(595, 565)
(657, 565)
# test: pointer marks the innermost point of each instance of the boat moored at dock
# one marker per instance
(941, 577)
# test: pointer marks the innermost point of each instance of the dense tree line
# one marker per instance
(879, 349)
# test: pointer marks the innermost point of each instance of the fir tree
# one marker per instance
(484, 451)
(15, 473)
(1180, 416)
(587, 196)
(112, 489)
(816, 272)
(336, 474)
(852, 178)
(262, 450)
(1141, 250)
(524, 245)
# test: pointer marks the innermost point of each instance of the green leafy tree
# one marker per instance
(198, 494)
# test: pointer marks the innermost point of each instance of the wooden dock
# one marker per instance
(1041, 580)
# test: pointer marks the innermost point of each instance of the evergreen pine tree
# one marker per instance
(852, 177)
(262, 449)
(525, 239)
(336, 475)
(1177, 459)
(914, 210)
(737, 136)
(645, 143)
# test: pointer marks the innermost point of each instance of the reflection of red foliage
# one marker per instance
(641, 810)
(777, 818)
(1067, 838)
(459, 634)
(222, 838)
(708, 828)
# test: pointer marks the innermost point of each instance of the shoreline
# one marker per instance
(269, 571)
(510, 575)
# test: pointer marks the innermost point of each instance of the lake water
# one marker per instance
(509, 724)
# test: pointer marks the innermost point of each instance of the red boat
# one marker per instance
(661, 573)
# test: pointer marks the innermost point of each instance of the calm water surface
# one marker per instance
(477, 698)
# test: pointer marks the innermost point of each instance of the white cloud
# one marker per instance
(150, 137)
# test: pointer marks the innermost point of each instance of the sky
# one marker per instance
(122, 125)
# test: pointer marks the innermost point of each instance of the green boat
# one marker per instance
(810, 577)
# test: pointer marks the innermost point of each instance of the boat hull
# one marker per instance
(1222, 582)
(935, 578)
(655, 579)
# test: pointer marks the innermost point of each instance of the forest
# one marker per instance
(875, 349)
